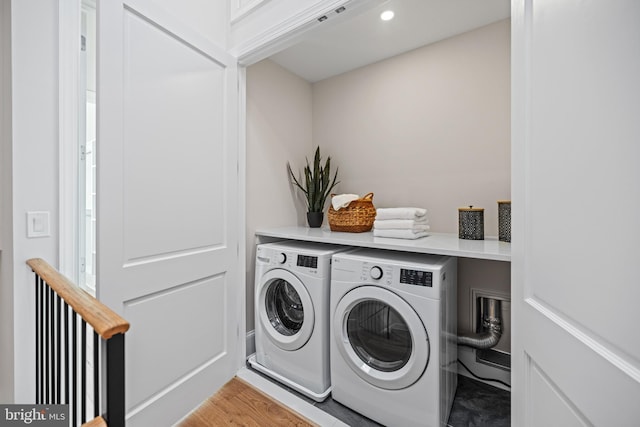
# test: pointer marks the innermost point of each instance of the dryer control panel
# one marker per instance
(416, 277)
(307, 261)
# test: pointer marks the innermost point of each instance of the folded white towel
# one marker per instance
(340, 201)
(400, 213)
(400, 234)
(421, 224)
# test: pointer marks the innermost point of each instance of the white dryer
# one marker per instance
(292, 315)
(393, 352)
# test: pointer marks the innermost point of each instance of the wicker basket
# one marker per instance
(356, 218)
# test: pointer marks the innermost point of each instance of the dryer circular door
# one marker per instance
(381, 337)
(285, 310)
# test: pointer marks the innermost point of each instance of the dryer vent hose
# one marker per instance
(492, 326)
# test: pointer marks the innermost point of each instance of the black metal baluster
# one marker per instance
(52, 335)
(96, 374)
(46, 347)
(58, 349)
(66, 353)
(38, 334)
(115, 381)
(51, 346)
(74, 367)
(43, 339)
(83, 375)
(43, 342)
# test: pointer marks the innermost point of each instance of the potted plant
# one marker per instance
(317, 187)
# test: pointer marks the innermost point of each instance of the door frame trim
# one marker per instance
(69, 14)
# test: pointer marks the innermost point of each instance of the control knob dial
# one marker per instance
(375, 272)
(282, 258)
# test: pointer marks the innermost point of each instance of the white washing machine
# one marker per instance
(394, 324)
(292, 315)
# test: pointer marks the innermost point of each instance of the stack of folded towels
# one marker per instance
(401, 223)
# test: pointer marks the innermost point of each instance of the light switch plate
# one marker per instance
(38, 224)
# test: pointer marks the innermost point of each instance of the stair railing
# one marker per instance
(63, 311)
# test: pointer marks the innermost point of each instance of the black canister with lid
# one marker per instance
(471, 223)
(504, 220)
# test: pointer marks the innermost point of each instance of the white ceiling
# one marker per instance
(354, 41)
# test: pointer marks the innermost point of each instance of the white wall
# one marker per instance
(34, 146)
(279, 120)
(428, 128)
(265, 26)
(6, 268)
(260, 16)
(209, 18)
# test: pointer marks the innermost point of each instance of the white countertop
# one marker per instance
(434, 243)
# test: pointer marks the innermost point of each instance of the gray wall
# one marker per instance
(429, 128)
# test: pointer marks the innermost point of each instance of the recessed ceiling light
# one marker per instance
(387, 15)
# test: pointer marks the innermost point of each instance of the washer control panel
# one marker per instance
(385, 274)
(379, 273)
(424, 275)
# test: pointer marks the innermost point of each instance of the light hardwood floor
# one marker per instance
(240, 404)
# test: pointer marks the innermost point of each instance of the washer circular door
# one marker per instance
(285, 310)
(381, 337)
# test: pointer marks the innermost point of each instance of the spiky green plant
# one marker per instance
(317, 182)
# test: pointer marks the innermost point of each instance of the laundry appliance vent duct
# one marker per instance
(491, 326)
(492, 323)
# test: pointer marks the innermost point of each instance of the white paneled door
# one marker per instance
(167, 209)
(576, 198)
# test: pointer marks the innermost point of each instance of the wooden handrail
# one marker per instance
(96, 422)
(102, 319)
